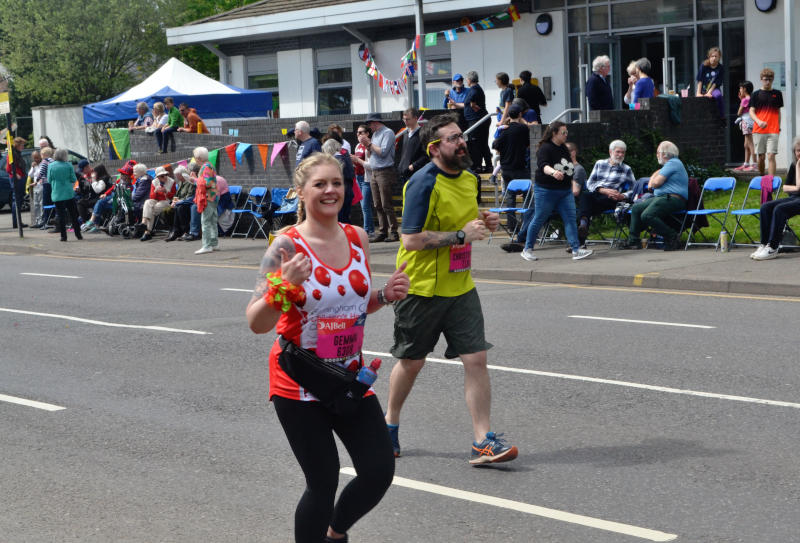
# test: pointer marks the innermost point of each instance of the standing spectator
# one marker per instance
(182, 203)
(380, 151)
(307, 143)
(644, 86)
(61, 177)
(192, 123)
(41, 180)
(292, 296)
(334, 148)
(17, 169)
(765, 110)
(440, 222)
(746, 126)
(506, 97)
(144, 120)
(605, 187)
(513, 144)
(632, 79)
(598, 91)
(35, 189)
(206, 200)
(412, 157)
(474, 111)
(553, 190)
(454, 99)
(174, 122)
(162, 189)
(363, 177)
(335, 128)
(671, 193)
(532, 94)
(710, 78)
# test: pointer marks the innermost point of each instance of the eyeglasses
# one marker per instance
(453, 138)
(766, 79)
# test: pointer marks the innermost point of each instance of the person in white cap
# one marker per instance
(161, 192)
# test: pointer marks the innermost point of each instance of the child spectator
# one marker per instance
(746, 126)
(709, 78)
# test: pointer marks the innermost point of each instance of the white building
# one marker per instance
(306, 52)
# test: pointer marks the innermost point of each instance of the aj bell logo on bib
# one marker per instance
(331, 325)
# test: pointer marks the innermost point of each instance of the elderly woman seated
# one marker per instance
(670, 186)
(144, 119)
(162, 189)
(141, 189)
(182, 203)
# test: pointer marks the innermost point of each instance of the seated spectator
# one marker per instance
(161, 121)
(86, 196)
(333, 147)
(579, 177)
(162, 189)
(604, 188)
(141, 189)
(192, 122)
(670, 187)
(105, 200)
(174, 122)
(775, 213)
(182, 202)
(144, 120)
(513, 144)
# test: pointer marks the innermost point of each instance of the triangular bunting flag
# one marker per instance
(276, 150)
(502, 16)
(263, 150)
(241, 149)
(213, 158)
(430, 39)
(416, 41)
(183, 163)
(450, 35)
(231, 150)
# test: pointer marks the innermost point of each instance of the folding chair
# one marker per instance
(251, 205)
(515, 185)
(712, 184)
(287, 206)
(47, 213)
(739, 214)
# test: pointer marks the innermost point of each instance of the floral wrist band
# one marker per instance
(281, 293)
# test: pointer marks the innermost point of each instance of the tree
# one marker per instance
(78, 51)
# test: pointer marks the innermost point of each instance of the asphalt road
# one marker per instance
(685, 433)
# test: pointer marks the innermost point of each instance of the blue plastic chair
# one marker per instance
(739, 214)
(712, 184)
(515, 185)
(286, 206)
(251, 207)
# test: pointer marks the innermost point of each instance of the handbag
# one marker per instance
(334, 386)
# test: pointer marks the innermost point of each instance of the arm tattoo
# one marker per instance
(434, 240)
(272, 262)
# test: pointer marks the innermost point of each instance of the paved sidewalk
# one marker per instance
(699, 269)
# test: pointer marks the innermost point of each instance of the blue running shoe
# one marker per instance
(492, 450)
(393, 430)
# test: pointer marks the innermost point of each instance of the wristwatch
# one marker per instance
(461, 237)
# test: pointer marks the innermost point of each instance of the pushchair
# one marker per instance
(122, 221)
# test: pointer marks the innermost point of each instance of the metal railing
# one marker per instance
(567, 112)
(474, 126)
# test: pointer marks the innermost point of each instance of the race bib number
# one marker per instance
(460, 257)
(339, 337)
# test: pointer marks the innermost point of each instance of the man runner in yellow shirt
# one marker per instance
(440, 221)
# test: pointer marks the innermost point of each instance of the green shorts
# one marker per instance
(420, 320)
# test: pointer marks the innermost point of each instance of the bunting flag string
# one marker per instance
(432, 38)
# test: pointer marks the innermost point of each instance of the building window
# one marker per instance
(438, 76)
(334, 81)
(262, 74)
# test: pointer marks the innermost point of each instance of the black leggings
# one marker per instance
(309, 428)
(774, 215)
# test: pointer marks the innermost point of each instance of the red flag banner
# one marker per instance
(231, 150)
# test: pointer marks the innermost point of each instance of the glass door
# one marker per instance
(593, 47)
(678, 66)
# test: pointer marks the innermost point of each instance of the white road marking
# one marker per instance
(30, 403)
(641, 322)
(629, 384)
(104, 323)
(238, 289)
(51, 275)
(555, 514)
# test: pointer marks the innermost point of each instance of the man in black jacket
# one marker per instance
(412, 157)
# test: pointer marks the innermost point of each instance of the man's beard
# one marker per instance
(456, 162)
(614, 162)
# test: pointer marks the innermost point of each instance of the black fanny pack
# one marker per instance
(334, 386)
